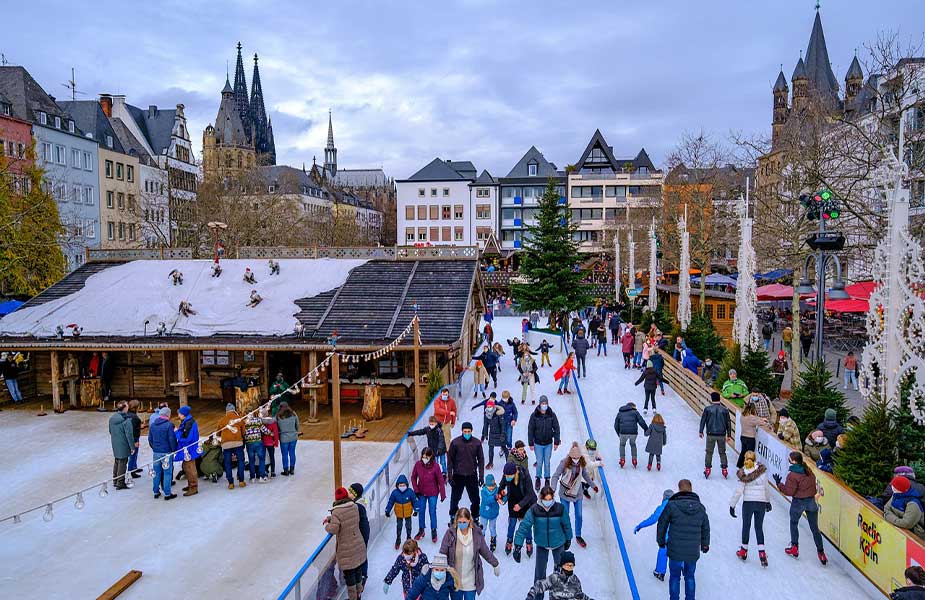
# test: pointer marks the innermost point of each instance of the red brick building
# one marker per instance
(15, 139)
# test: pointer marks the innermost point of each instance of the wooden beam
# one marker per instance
(335, 393)
(116, 589)
(55, 382)
(182, 378)
(419, 403)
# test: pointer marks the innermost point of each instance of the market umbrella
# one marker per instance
(851, 305)
(861, 290)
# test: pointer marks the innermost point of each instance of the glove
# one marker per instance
(385, 588)
(732, 512)
(497, 570)
(776, 478)
(704, 549)
(517, 554)
(568, 544)
(635, 530)
(767, 507)
(388, 514)
(780, 436)
(414, 513)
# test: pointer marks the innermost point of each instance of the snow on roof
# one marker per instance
(118, 300)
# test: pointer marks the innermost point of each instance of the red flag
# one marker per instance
(565, 368)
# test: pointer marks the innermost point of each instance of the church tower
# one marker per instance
(226, 148)
(330, 152)
(266, 152)
(240, 92)
(800, 86)
(854, 79)
(781, 107)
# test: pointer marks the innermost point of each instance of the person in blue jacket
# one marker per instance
(490, 361)
(403, 500)
(188, 446)
(163, 441)
(661, 561)
(435, 583)
(691, 362)
(489, 509)
(552, 532)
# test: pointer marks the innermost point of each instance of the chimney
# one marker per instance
(152, 111)
(106, 104)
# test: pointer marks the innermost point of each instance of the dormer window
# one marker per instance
(6, 109)
(70, 126)
(43, 118)
(57, 122)
(643, 170)
(272, 188)
(531, 169)
(109, 141)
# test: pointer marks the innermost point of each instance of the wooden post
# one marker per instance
(335, 393)
(55, 382)
(182, 377)
(419, 402)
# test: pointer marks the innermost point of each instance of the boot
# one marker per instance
(419, 536)
(559, 392)
(494, 543)
(725, 473)
(763, 557)
(490, 466)
(649, 467)
(508, 546)
(529, 549)
(658, 466)
(622, 462)
(635, 463)
(706, 473)
(398, 542)
(285, 473)
(546, 483)
(581, 541)
(823, 558)
(433, 535)
(742, 553)
(659, 576)
(230, 486)
(536, 484)
(793, 550)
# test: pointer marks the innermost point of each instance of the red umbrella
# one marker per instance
(861, 290)
(851, 305)
(777, 291)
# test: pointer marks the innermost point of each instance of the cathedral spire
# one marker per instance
(330, 151)
(240, 92)
(258, 118)
(818, 67)
(330, 131)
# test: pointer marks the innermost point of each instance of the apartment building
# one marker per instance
(435, 206)
(519, 193)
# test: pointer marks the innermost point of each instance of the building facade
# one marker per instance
(520, 191)
(435, 206)
(15, 140)
(483, 213)
(69, 159)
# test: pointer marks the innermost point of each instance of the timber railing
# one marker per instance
(262, 252)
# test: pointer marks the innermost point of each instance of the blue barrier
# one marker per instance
(634, 590)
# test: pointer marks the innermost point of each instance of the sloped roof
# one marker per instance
(361, 178)
(463, 167)
(781, 83)
(818, 67)
(156, 124)
(285, 176)
(597, 140)
(439, 170)
(26, 96)
(854, 69)
(799, 71)
(485, 178)
(89, 116)
(642, 160)
(130, 144)
(544, 168)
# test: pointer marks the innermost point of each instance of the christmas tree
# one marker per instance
(910, 435)
(701, 337)
(867, 460)
(662, 318)
(813, 393)
(550, 260)
(753, 369)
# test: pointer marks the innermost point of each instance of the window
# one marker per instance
(643, 170)
(422, 234)
(458, 211)
(70, 126)
(409, 214)
(482, 233)
(121, 230)
(46, 152)
(597, 155)
(129, 173)
(585, 236)
(131, 232)
(422, 213)
(90, 228)
(216, 358)
(508, 214)
(57, 122)
(75, 194)
(610, 213)
(420, 192)
(595, 192)
(109, 143)
(89, 194)
(60, 155)
(482, 211)
(87, 164)
(433, 192)
(43, 118)
(60, 191)
(131, 201)
(720, 311)
(457, 234)
(75, 158)
(110, 230)
(531, 169)
(434, 234)
(709, 310)
(446, 192)
(409, 234)
(110, 199)
(119, 171)
(482, 193)
(120, 201)
(434, 212)
(271, 188)
(109, 169)
(445, 234)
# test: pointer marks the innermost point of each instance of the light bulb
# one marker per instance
(165, 463)
(151, 472)
(49, 515)
(103, 491)
(79, 503)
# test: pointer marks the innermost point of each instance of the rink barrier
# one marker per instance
(318, 578)
(605, 487)
(878, 550)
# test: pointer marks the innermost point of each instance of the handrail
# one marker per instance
(628, 567)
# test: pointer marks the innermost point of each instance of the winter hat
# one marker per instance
(467, 425)
(356, 490)
(164, 412)
(185, 411)
(439, 561)
(229, 407)
(341, 494)
(714, 396)
(900, 484)
(493, 395)
(489, 479)
(905, 471)
(781, 354)
(783, 413)
(510, 468)
(649, 363)
(667, 494)
(830, 414)
(543, 399)
(490, 403)
(566, 557)
(574, 451)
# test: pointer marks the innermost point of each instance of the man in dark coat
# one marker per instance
(715, 420)
(580, 345)
(465, 469)
(490, 362)
(543, 437)
(685, 528)
(627, 424)
(120, 435)
(830, 427)
(107, 372)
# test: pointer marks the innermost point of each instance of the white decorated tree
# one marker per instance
(684, 277)
(745, 320)
(653, 267)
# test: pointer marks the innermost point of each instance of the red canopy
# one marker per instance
(851, 305)
(777, 291)
(861, 290)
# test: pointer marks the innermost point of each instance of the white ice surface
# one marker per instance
(118, 300)
(245, 543)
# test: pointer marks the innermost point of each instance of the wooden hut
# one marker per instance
(720, 307)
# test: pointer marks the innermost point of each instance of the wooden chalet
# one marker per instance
(720, 307)
(376, 302)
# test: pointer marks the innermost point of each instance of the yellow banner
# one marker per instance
(873, 545)
(830, 507)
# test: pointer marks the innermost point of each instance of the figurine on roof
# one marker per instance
(274, 267)
(249, 276)
(186, 309)
(176, 276)
(255, 299)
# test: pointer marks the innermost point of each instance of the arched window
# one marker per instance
(229, 160)
(240, 159)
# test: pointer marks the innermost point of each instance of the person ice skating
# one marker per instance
(543, 438)
(186, 309)
(274, 267)
(691, 362)
(498, 349)
(563, 584)
(650, 379)
(216, 269)
(496, 434)
(232, 432)
(648, 347)
(188, 450)
(349, 549)
(787, 428)
(519, 457)
(661, 559)
(409, 564)
(249, 276)
(639, 342)
(270, 440)
(685, 518)
(544, 349)
(489, 333)
(479, 379)
(528, 375)
(850, 365)
(436, 583)
(288, 424)
(428, 483)
(814, 443)
(255, 299)
(490, 360)
(594, 462)
(915, 585)
(123, 442)
(904, 508)
(734, 388)
(830, 427)
(489, 509)
(355, 492)
(801, 486)
(10, 372)
(445, 412)
(601, 332)
(627, 424)
(435, 440)
(658, 363)
(626, 346)
(580, 346)
(402, 500)
(749, 433)
(515, 491)
(658, 439)
(254, 430)
(515, 345)
(614, 324)
(465, 465)
(465, 548)
(133, 469)
(176, 277)
(568, 479)
(715, 420)
(563, 374)
(552, 532)
(753, 490)
(163, 441)
(510, 417)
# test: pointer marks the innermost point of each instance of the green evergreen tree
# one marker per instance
(813, 393)
(30, 255)
(867, 460)
(754, 370)
(910, 436)
(662, 318)
(701, 337)
(550, 259)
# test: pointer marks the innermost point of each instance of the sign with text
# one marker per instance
(873, 545)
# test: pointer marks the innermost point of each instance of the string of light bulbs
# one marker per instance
(375, 354)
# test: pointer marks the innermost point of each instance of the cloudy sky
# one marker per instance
(471, 80)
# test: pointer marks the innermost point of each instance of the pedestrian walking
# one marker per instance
(614, 324)
(543, 438)
(435, 440)
(787, 337)
(767, 331)
(716, 422)
(626, 345)
(658, 439)
(254, 430)
(528, 376)
(409, 564)
(515, 491)
(349, 548)
(563, 584)
(188, 450)
(778, 370)
(801, 485)
(580, 346)
(231, 428)
(163, 441)
(403, 502)
(465, 548)
(686, 519)
(287, 422)
(10, 372)
(465, 469)
(661, 559)
(627, 424)
(650, 379)
(123, 443)
(428, 483)
(639, 341)
(568, 478)
(747, 436)
(551, 529)
(753, 491)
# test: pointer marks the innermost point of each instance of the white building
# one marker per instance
(437, 205)
(483, 216)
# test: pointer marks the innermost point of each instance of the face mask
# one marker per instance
(709, 363)
(438, 575)
(445, 396)
(547, 503)
(433, 425)
(543, 407)
(402, 488)
(566, 573)
(463, 525)
(425, 460)
(509, 478)
(467, 436)
(408, 557)
(756, 398)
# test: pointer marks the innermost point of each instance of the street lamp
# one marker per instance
(837, 292)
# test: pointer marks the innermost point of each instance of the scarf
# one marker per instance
(899, 501)
(797, 468)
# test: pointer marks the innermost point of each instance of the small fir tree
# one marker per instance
(867, 460)
(910, 436)
(662, 318)
(701, 337)
(754, 370)
(550, 260)
(813, 393)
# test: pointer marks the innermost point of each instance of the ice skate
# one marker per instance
(823, 558)
(742, 553)
(419, 535)
(509, 546)
(792, 550)
(706, 473)
(659, 576)
(763, 557)
(622, 462)
(581, 541)
(635, 463)
(725, 473)
(493, 544)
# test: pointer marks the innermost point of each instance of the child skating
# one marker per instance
(658, 439)
(402, 500)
